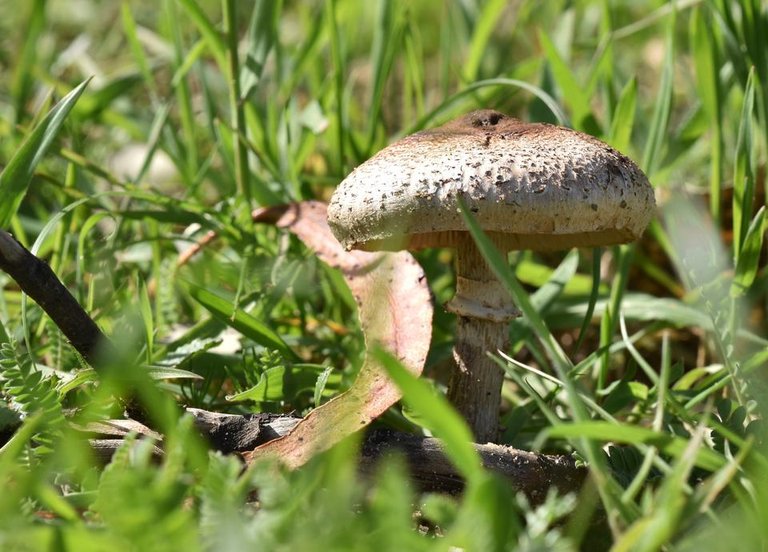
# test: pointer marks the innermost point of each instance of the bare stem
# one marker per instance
(484, 309)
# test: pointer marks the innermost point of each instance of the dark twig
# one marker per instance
(37, 280)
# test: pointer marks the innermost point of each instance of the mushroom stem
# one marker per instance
(484, 309)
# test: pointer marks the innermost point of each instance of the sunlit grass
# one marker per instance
(645, 360)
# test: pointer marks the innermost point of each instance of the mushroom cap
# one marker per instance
(529, 185)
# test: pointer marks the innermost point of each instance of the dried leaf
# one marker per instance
(395, 310)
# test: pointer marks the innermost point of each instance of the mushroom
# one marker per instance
(529, 185)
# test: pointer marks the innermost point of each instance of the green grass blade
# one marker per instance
(211, 35)
(707, 64)
(573, 94)
(131, 35)
(504, 273)
(158, 124)
(609, 323)
(538, 274)
(15, 446)
(17, 174)
(184, 143)
(240, 320)
(414, 82)
(597, 255)
(555, 285)
(486, 22)
(664, 11)
(167, 373)
(262, 36)
(705, 59)
(743, 173)
(436, 414)
(387, 34)
(145, 309)
(320, 384)
(749, 258)
(675, 446)
(306, 53)
(607, 486)
(237, 114)
(660, 120)
(97, 102)
(548, 100)
(337, 74)
(623, 119)
(23, 78)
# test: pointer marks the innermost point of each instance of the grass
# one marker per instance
(130, 130)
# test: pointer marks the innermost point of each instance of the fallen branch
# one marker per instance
(430, 469)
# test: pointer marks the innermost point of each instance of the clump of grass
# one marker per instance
(644, 360)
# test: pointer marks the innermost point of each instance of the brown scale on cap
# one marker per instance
(529, 185)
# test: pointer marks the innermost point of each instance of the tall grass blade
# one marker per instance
(623, 119)
(137, 51)
(573, 94)
(707, 63)
(743, 172)
(17, 174)
(211, 35)
(262, 37)
(337, 74)
(436, 414)
(597, 255)
(609, 323)
(183, 144)
(236, 110)
(23, 78)
(749, 257)
(658, 129)
(705, 458)
(388, 33)
(547, 99)
(504, 273)
(488, 19)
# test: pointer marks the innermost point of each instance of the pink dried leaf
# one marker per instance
(395, 309)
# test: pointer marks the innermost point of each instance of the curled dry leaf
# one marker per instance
(395, 311)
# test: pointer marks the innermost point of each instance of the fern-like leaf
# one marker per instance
(29, 392)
